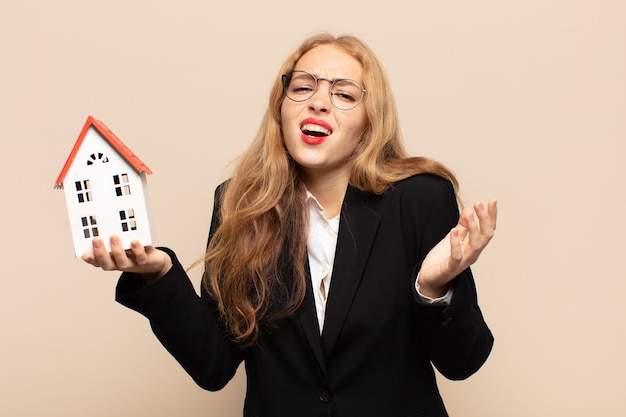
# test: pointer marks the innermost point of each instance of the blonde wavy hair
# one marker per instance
(263, 217)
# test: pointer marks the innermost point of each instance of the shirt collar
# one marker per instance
(316, 208)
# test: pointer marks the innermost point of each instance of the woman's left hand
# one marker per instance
(458, 250)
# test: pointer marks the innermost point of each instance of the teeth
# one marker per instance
(312, 128)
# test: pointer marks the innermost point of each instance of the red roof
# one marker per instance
(110, 137)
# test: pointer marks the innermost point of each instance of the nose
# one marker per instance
(320, 100)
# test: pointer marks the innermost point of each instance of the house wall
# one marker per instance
(524, 99)
(106, 203)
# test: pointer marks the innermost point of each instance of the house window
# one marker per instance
(97, 158)
(90, 226)
(83, 191)
(122, 187)
(127, 218)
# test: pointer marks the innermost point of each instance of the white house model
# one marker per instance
(105, 189)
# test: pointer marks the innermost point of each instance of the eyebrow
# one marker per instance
(325, 78)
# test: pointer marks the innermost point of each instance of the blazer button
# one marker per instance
(325, 396)
(446, 321)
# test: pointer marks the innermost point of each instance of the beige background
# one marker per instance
(525, 100)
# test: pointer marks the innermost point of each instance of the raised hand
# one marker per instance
(459, 249)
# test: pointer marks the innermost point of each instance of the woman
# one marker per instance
(337, 267)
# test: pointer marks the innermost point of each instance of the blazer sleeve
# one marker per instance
(186, 324)
(457, 336)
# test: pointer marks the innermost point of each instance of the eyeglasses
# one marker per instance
(345, 94)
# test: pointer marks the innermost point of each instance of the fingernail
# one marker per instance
(97, 244)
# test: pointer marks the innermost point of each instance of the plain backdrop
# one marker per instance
(524, 99)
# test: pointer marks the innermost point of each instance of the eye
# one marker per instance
(300, 88)
(344, 96)
(347, 91)
(301, 84)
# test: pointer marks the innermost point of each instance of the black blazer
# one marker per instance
(379, 342)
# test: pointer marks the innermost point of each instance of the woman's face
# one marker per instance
(318, 136)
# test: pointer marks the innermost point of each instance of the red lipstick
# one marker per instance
(314, 131)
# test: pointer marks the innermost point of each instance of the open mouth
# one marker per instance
(314, 130)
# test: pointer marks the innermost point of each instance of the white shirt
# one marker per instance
(321, 247)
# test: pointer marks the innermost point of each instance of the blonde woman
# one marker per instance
(337, 266)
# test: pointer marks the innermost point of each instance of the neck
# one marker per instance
(328, 189)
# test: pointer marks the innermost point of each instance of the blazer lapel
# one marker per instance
(357, 227)
(307, 318)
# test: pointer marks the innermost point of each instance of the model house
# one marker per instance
(105, 189)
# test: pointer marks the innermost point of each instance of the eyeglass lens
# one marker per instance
(344, 94)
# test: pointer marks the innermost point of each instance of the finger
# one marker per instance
(473, 234)
(101, 256)
(462, 226)
(119, 255)
(456, 249)
(492, 208)
(486, 221)
(90, 259)
(139, 252)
